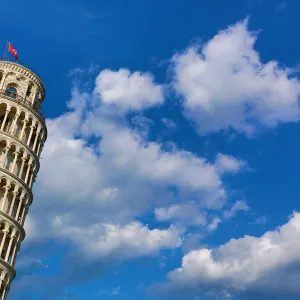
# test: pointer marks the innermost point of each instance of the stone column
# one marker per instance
(12, 237)
(15, 161)
(23, 129)
(39, 150)
(31, 179)
(13, 127)
(24, 214)
(40, 143)
(2, 81)
(15, 193)
(21, 199)
(7, 187)
(4, 120)
(4, 293)
(30, 134)
(27, 172)
(13, 255)
(22, 166)
(36, 139)
(5, 233)
(16, 250)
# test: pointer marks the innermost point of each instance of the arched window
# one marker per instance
(11, 92)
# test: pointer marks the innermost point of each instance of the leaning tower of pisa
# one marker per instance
(22, 135)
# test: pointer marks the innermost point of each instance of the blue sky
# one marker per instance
(172, 162)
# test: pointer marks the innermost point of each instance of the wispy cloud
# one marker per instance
(282, 6)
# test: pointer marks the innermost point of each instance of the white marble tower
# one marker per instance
(22, 135)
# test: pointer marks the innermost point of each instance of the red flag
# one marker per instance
(12, 50)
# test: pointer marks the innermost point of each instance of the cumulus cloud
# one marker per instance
(98, 175)
(128, 91)
(250, 264)
(122, 176)
(109, 240)
(225, 85)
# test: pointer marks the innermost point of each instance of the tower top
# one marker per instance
(20, 84)
(29, 73)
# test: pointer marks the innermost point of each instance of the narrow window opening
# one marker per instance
(11, 92)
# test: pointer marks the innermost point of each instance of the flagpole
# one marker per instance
(5, 50)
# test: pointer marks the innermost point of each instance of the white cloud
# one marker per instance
(186, 214)
(98, 176)
(239, 205)
(249, 264)
(192, 214)
(100, 188)
(225, 84)
(149, 161)
(214, 224)
(227, 163)
(128, 91)
(120, 242)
